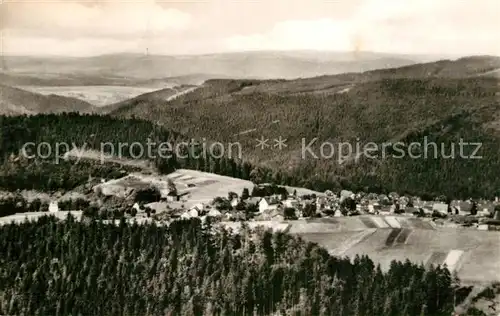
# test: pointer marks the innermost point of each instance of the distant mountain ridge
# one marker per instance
(258, 65)
(444, 101)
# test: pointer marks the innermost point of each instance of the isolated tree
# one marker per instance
(147, 195)
(410, 203)
(222, 204)
(133, 212)
(289, 213)
(496, 212)
(309, 210)
(36, 204)
(91, 211)
(218, 199)
(241, 206)
(473, 210)
(44, 207)
(348, 204)
(171, 187)
(245, 194)
(252, 208)
(397, 209)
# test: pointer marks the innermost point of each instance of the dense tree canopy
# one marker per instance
(456, 178)
(61, 268)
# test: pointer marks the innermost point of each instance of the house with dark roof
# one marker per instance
(172, 196)
(253, 200)
(460, 207)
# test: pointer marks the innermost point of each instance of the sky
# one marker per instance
(86, 28)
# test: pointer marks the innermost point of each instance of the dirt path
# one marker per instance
(180, 93)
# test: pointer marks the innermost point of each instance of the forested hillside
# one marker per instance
(71, 130)
(380, 106)
(62, 268)
(444, 101)
(14, 101)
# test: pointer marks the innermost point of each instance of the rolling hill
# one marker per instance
(162, 95)
(401, 238)
(260, 64)
(455, 248)
(40, 78)
(14, 101)
(444, 101)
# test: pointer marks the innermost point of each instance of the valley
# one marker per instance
(250, 158)
(96, 95)
(397, 210)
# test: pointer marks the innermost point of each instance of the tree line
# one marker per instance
(52, 267)
(456, 178)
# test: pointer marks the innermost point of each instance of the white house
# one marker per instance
(482, 227)
(371, 209)
(374, 208)
(461, 207)
(344, 194)
(329, 193)
(172, 197)
(53, 207)
(198, 206)
(440, 207)
(234, 202)
(197, 209)
(321, 202)
(266, 204)
(136, 207)
(214, 213)
(292, 203)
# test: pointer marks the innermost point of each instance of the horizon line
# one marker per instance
(433, 55)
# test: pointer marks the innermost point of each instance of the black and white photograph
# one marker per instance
(250, 157)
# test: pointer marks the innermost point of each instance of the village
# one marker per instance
(188, 194)
(267, 202)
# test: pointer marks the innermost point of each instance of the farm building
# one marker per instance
(53, 207)
(267, 204)
(441, 208)
(461, 207)
(291, 203)
(172, 197)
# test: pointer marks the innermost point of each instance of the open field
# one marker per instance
(475, 255)
(95, 95)
(194, 186)
(360, 223)
(21, 217)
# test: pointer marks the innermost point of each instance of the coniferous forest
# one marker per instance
(410, 176)
(67, 267)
